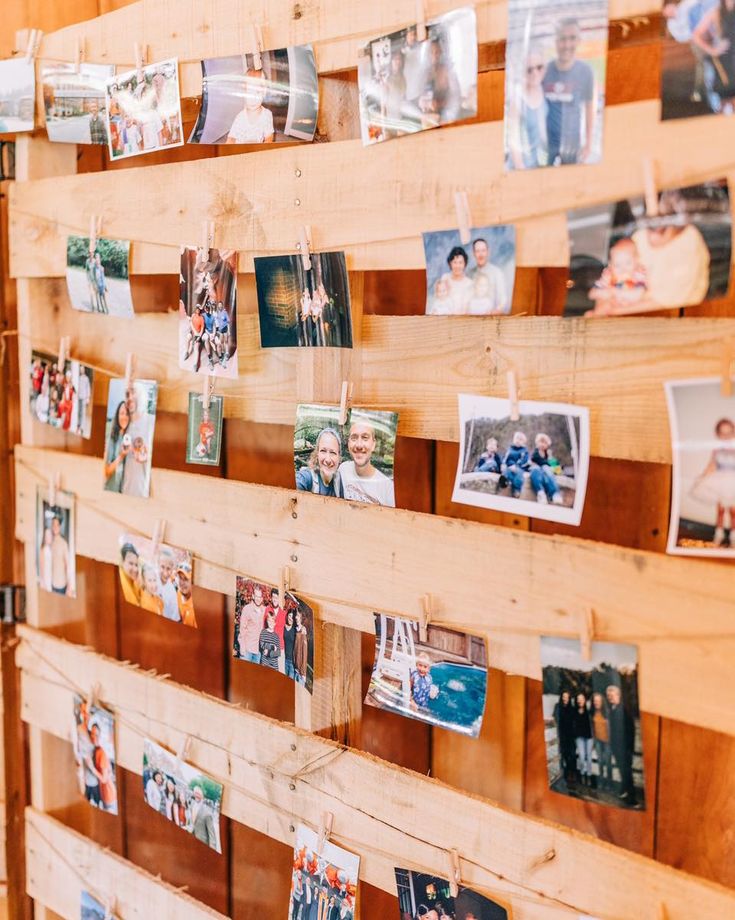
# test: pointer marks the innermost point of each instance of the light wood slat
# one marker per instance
(62, 863)
(512, 586)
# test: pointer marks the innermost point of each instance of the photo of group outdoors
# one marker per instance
(624, 260)
(594, 748)
(208, 311)
(92, 909)
(353, 461)
(157, 578)
(144, 110)
(56, 560)
(441, 680)
(98, 281)
(406, 85)
(94, 752)
(251, 101)
(74, 102)
(475, 279)
(555, 66)
(535, 465)
(702, 424)
(426, 897)
(304, 307)
(323, 884)
(179, 792)
(129, 426)
(62, 400)
(17, 94)
(275, 632)
(204, 430)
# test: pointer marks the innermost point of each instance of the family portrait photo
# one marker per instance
(592, 730)
(92, 909)
(144, 110)
(304, 308)
(208, 311)
(426, 897)
(94, 752)
(74, 102)
(555, 66)
(129, 426)
(157, 578)
(353, 461)
(183, 795)
(624, 261)
(277, 100)
(61, 399)
(442, 680)
(406, 85)
(98, 281)
(56, 560)
(274, 632)
(702, 424)
(536, 465)
(475, 279)
(204, 430)
(17, 94)
(323, 884)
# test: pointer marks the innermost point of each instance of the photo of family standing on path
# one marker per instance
(98, 279)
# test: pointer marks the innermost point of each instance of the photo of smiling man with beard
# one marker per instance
(361, 480)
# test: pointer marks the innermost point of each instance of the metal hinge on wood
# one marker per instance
(7, 160)
(12, 603)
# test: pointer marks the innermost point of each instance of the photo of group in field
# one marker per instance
(426, 897)
(208, 311)
(323, 882)
(94, 752)
(158, 578)
(61, 398)
(56, 561)
(74, 102)
(98, 279)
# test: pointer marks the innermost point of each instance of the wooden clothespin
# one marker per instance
(303, 247)
(34, 42)
(427, 611)
(130, 363)
(728, 360)
(650, 189)
(208, 228)
(464, 218)
(284, 584)
(586, 632)
(64, 345)
(662, 913)
(79, 53)
(93, 697)
(207, 391)
(420, 20)
(325, 831)
(258, 53)
(95, 228)
(158, 534)
(184, 749)
(141, 54)
(455, 878)
(54, 484)
(515, 413)
(345, 401)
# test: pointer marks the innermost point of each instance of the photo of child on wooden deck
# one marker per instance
(426, 897)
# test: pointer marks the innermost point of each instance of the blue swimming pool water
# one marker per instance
(462, 691)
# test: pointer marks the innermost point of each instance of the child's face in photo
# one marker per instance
(441, 288)
(623, 257)
(151, 585)
(492, 445)
(726, 431)
(423, 667)
(519, 439)
(254, 90)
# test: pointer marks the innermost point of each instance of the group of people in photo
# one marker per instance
(144, 111)
(160, 584)
(55, 400)
(320, 890)
(207, 309)
(95, 767)
(209, 333)
(480, 290)
(319, 322)
(517, 462)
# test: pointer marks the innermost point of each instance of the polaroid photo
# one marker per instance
(702, 424)
(61, 400)
(74, 102)
(623, 261)
(244, 104)
(17, 94)
(427, 897)
(300, 308)
(208, 311)
(204, 430)
(323, 884)
(129, 427)
(92, 909)
(536, 466)
(186, 796)
(441, 681)
(406, 85)
(94, 752)
(99, 281)
(56, 561)
(555, 64)
(592, 726)
(144, 110)
(475, 279)
(274, 633)
(157, 578)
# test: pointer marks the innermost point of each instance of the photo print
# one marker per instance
(157, 578)
(426, 897)
(623, 261)
(555, 64)
(130, 422)
(535, 466)
(406, 85)
(442, 681)
(274, 632)
(56, 560)
(323, 884)
(92, 909)
(74, 102)
(304, 308)
(177, 791)
(475, 279)
(62, 400)
(353, 461)
(592, 729)
(204, 430)
(17, 94)
(99, 281)
(208, 311)
(94, 752)
(144, 110)
(703, 448)
(245, 104)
